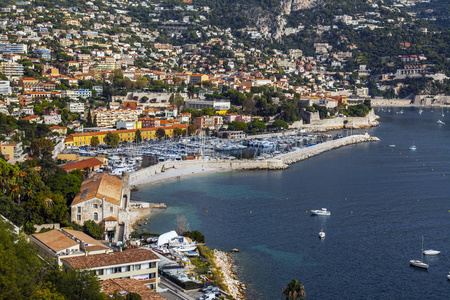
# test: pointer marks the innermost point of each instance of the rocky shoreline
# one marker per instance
(224, 262)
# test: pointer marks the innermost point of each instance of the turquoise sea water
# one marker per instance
(382, 200)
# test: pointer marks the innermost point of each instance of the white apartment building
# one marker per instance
(76, 107)
(5, 88)
(52, 119)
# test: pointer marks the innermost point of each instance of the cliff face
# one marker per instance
(289, 6)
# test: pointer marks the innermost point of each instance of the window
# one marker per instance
(152, 275)
(111, 209)
(126, 269)
(99, 272)
(95, 216)
(136, 267)
(78, 217)
(79, 210)
(95, 205)
(117, 270)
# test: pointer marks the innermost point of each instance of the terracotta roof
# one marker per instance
(81, 165)
(55, 240)
(110, 219)
(85, 238)
(129, 285)
(112, 259)
(100, 185)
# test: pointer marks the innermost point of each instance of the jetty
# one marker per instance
(180, 169)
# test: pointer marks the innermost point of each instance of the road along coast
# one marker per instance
(180, 169)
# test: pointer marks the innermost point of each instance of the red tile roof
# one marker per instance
(55, 240)
(82, 164)
(129, 285)
(99, 186)
(112, 259)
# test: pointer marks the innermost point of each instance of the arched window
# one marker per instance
(95, 216)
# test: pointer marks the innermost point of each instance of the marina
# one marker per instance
(131, 157)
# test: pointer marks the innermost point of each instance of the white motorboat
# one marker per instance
(431, 252)
(420, 111)
(419, 263)
(448, 276)
(392, 146)
(440, 122)
(413, 148)
(320, 212)
(321, 233)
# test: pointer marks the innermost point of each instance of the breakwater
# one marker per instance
(150, 174)
(305, 153)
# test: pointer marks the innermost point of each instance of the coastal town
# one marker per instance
(99, 98)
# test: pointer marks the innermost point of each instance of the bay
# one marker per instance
(382, 200)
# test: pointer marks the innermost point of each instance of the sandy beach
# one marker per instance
(174, 174)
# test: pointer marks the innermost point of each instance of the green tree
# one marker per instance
(41, 148)
(178, 101)
(191, 129)
(141, 82)
(294, 290)
(93, 229)
(195, 235)
(76, 285)
(95, 141)
(10, 210)
(133, 296)
(112, 139)
(89, 122)
(64, 184)
(280, 124)
(177, 132)
(160, 133)
(138, 136)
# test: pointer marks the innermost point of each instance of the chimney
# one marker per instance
(103, 208)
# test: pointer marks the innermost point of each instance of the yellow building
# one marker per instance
(82, 139)
(11, 151)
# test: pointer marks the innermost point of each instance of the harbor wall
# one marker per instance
(305, 153)
(277, 163)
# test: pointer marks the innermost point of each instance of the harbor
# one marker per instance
(382, 199)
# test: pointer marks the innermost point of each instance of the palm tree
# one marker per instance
(294, 290)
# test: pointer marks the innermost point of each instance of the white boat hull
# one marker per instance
(431, 252)
(321, 234)
(418, 264)
(320, 212)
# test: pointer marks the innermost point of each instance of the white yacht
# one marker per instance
(320, 212)
(431, 252)
(440, 122)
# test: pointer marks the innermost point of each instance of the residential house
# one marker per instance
(138, 264)
(90, 164)
(214, 122)
(63, 243)
(11, 151)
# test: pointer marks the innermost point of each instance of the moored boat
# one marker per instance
(320, 212)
